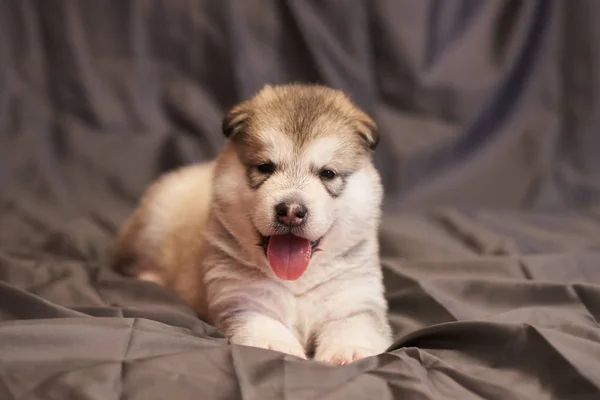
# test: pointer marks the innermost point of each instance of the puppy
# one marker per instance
(274, 242)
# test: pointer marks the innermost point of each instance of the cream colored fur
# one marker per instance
(196, 229)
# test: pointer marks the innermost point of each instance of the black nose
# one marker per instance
(291, 213)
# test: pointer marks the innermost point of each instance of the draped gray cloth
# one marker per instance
(490, 155)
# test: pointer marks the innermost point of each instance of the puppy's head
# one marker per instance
(304, 154)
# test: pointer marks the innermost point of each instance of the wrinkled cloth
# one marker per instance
(489, 150)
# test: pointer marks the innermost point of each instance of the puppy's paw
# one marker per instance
(153, 277)
(349, 340)
(293, 348)
(341, 355)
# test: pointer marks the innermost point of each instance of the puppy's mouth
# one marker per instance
(288, 255)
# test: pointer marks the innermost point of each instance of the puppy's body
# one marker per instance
(275, 241)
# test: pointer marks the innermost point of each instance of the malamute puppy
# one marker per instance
(275, 241)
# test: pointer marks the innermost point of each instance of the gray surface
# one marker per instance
(489, 151)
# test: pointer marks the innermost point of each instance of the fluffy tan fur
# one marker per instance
(197, 230)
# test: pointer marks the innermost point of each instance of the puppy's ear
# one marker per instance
(368, 130)
(235, 120)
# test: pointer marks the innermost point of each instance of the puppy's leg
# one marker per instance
(258, 330)
(346, 340)
(249, 309)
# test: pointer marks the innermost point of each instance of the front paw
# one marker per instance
(350, 340)
(283, 346)
(341, 355)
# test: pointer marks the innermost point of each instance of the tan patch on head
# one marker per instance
(301, 129)
(303, 113)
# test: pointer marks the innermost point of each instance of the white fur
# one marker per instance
(277, 143)
(306, 302)
(337, 305)
(321, 151)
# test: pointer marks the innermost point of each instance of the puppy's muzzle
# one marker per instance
(291, 213)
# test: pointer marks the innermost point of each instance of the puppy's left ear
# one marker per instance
(235, 120)
(368, 130)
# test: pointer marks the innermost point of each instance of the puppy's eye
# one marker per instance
(266, 168)
(327, 174)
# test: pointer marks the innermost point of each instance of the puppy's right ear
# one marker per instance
(235, 120)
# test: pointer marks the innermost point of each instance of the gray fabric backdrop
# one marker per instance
(490, 156)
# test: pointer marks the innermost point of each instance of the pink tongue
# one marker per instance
(288, 255)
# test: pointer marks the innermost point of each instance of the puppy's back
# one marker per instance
(170, 217)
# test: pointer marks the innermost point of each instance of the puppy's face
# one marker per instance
(299, 147)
